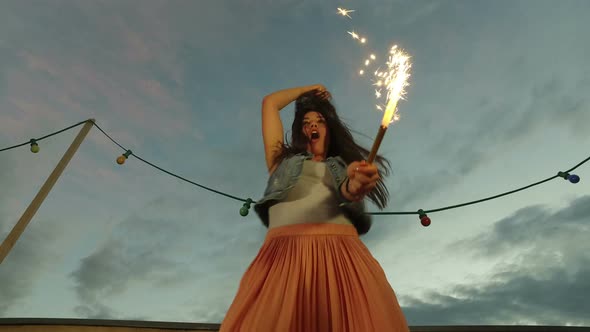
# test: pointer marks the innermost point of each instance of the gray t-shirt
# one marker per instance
(311, 200)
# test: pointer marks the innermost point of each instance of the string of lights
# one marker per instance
(423, 214)
(121, 159)
(33, 142)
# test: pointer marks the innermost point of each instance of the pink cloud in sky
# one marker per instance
(27, 116)
(154, 90)
(13, 128)
(137, 50)
(50, 88)
(116, 82)
(38, 63)
(152, 43)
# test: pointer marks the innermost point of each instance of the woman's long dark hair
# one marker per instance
(341, 141)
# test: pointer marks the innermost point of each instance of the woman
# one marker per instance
(313, 273)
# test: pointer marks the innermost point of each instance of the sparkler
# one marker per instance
(395, 80)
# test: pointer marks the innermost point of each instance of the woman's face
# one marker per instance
(316, 131)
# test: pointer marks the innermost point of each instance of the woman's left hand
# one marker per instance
(363, 178)
(323, 93)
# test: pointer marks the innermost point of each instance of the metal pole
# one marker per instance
(24, 220)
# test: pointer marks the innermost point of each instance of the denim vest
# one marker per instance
(285, 177)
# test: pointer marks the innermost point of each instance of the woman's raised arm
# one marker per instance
(272, 127)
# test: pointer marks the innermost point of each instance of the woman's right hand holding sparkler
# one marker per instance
(362, 178)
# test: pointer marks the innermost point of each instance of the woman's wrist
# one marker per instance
(346, 186)
(345, 191)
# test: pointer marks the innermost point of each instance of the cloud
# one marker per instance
(154, 248)
(7, 178)
(475, 100)
(36, 251)
(506, 100)
(134, 76)
(128, 65)
(32, 254)
(543, 279)
(138, 251)
(556, 298)
(552, 102)
(538, 230)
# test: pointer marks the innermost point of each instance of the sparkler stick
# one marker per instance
(395, 81)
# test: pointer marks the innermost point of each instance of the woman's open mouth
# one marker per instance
(315, 135)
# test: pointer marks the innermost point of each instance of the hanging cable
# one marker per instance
(424, 219)
(128, 153)
(35, 140)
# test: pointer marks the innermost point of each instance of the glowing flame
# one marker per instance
(395, 81)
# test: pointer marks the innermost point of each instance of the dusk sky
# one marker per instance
(498, 99)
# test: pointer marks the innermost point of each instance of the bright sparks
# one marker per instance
(368, 61)
(357, 37)
(344, 12)
(353, 34)
(395, 81)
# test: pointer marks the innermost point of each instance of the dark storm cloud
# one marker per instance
(538, 229)
(558, 298)
(546, 282)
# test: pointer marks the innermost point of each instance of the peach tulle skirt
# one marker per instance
(314, 277)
